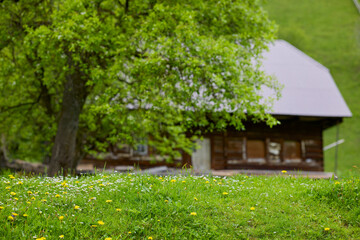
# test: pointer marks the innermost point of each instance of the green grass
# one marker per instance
(328, 31)
(150, 207)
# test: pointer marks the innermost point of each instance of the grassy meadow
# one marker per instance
(130, 206)
(329, 32)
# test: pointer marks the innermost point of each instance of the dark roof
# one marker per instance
(309, 89)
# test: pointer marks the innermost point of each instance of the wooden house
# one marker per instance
(310, 103)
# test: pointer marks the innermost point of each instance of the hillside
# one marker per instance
(130, 206)
(328, 31)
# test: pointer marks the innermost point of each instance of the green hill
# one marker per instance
(131, 206)
(328, 31)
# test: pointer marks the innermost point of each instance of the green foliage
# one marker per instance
(151, 69)
(143, 206)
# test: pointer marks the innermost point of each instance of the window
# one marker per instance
(255, 151)
(292, 151)
(274, 150)
(141, 149)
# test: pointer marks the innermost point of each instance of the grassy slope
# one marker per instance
(145, 207)
(328, 31)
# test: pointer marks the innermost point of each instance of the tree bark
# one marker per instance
(64, 150)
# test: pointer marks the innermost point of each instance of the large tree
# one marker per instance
(78, 74)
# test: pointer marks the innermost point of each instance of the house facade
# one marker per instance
(310, 103)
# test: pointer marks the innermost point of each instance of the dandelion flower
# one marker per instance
(160, 178)
(25, 215)
(100, 222)
(193, 213)
(183, 181)
(101, 185)
(13, 193)
(129, 232)
(47, 193)
(76, 207)
(195, 199)
(118, 210)
(61, 217)
(1, 207)
(28, 202)
(283, 171)
(166, 201)
(108, 201)
(43, 200)
(173, 180)
(14, 214)
(225, 193)
(252, 208)
(150, 238)
(8, 187)
(10, 218)
(33, 198)
(108, 238)
(61, 236)
(207, 182)
(326, 229)
(29, 192)
(337, 182)
(12, 177)
(94, 226)
(57, 195)
(76, 181)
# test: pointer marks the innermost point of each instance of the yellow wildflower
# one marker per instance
(193, 213)
(326, 229)
(61, 236)
(150, 238)
(129, 232)
(14, 214)
(1, 207)
(252, 208)
(33, 198)
(47, 193)
(183, 181)
(25, 215)
(57, 195)
(16, 198)
(101, 185)
(108, 238)
(13, 193)
(195, 199)
(337, 182)
(20, 182)
(283, 171)
(207, 182)
(91, 187)
(100, 222)
(225, 193)
(160, 178)
(10, 218)
(94, 226)
(76, 207)
(118, 210)
(64, 192)
(173, 180)
(28, 202)
(108, 201)
(166, 201)
(12, 177)
(220, 183)
(76, 181)
(8, 187)
(43, 200)
(61, 217)
(29, 192)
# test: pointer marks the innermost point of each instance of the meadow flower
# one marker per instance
(10, 218)
(283, 171)
(207, 182)
(326, 229)
(47, 193)
(8, 187)
(61, 236)
(16, 199)
(28, 202)
(150, 238)
(129, 232)
(25, 215)
(108, 201)
(166, 201)
(76, 181)
(43, 200)
(173, 180)
(160, 178)
(101, 185)
(20, 182)
(225, 193)
(33, 198)
(337, 182)
(252, 208)
(14, 214)
(118, 210)
(100, 222)
(94, 226)
(195, 199)
(183, 181)
(76, 207)
(193, 213)
(108, 238)
(1, 207)
(57, 195)
(29, 192)
(61, 217)
(93, 198)
(13, 193)
(11, 177)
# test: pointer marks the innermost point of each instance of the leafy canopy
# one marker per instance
(159, 68)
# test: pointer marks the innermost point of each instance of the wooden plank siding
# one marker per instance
(298, 144)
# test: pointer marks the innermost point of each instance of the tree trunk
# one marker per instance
(64, 150)
(3, 152)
